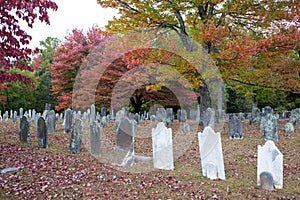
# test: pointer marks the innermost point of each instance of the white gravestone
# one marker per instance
(211, 154)
(270, 159)
(162, 147)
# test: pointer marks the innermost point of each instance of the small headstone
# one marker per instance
(103, 111)
(24, 130)
(211, 154)
(76, 137)
(270, 160)
(209, 118)
(51, 120)
(162, 147)
(152, 118)
(161, 115)
(95, 136)
(235, 127)
(289, 127)
(67, 120)
(266, 181)
(42, 133)
(186, 128)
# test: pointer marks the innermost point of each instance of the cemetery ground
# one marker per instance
(55, 173)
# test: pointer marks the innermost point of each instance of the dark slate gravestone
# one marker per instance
(42, 133)
(95, 137)
(51, 120)
(125, 141)
(68, 120)
(209, 118)
(24, 130)
(178, 114)
(235, 127)
(103, 111)
(76, 136)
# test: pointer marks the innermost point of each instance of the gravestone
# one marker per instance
(169, 116)
(120, 115)
(51, 120)
(15, 116)
(289, 127)
(235, 127)
(112, 113)
(103, 111)
(137, 118)
(0, 118)
(209, 118)
(68, 120)
(125, 142)
(269, 126)
(178, 114)
(162, 147)
(211, 154)
(193, 115)
(103, 122)
(198, 114)
(270, 160)
(161, 115)
(295, 116)
(95, 137)
(186, 128)
(21, 113)
(182, 115)
(152, 118)
(33, 115)
(76, 136)
(266, 111)
(5, 116)
(24, 130)
(255, 116)
(47, 106)
(92, 114)
(42, 133)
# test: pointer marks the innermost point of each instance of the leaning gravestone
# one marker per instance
(42, 133)
(51, 120)
(235, 127)
(24, 130)
(209, 118)
(211, 154)
(67, 120)
(269, 164)
(162, 147)
(125, 142)
(95, 137)
(76, 136)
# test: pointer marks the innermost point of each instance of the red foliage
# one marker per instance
(14, 39)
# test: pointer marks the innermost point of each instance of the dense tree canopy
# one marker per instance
(13, 39)
(250, 41)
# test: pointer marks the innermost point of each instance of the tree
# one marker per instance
(248, 40)
(41, 64)
(14, 39)
(68, 57)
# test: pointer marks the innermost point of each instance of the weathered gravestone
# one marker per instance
(269, 124)
(161, 115)
(5, 116)
(76, 137)
(51, 120)
(42, 133)
(24, 130)
(295, 116)
(235, 127)
(120, 115)
(67, 120)
(211, 154)
(95, 138)
(162, 147)
(92, 114)
(103, 111)
(103, 122)
(255, 116)
(209, 118)
(289, 127)
(193, 114)
(137, 118)
(15, 115)
(111, 112)
(21, 113)
(125, 142)
(269, 162)
(169, 116)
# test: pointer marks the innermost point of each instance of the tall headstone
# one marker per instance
(15, 115)
(21, 113)
(125, 141)
(169, 116)
(198, 114)
(162, 147)
(211, 154)
(76, 137)
(235, 127)
(161, 115)
(24, 130)
(209, 118)
(269, 124)
(255, 116)
(111, 112)
(5, 116)
(51, 120)
(270, 160)
(93, 114)
(68, 120)
(95, 137)
(42, 133)
(103, 111)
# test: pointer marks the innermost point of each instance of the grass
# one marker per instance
(54, 173)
